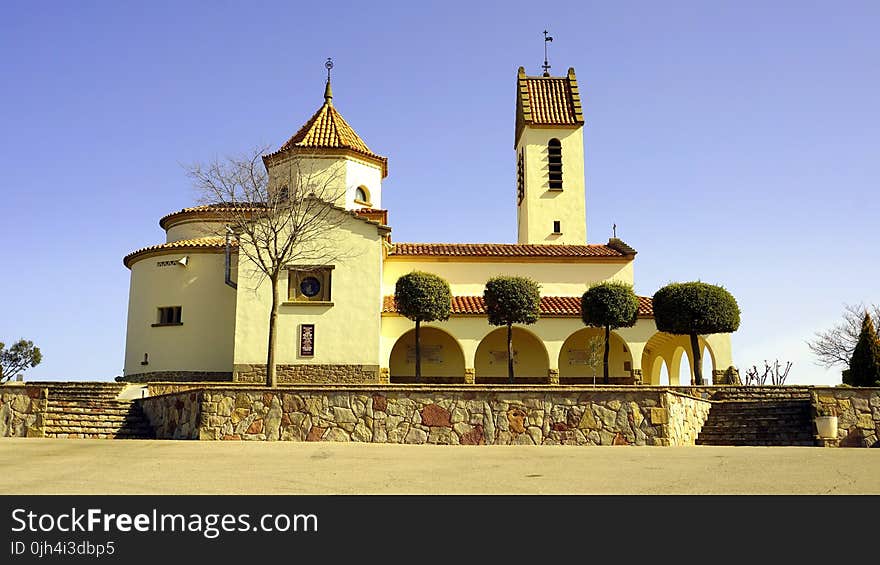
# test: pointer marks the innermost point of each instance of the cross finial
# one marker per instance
(328, 93)
(546, 65)
(614, 230)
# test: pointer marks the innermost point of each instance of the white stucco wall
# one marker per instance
(541, 206)
(204, 341)
(358, 173)
(346, 331)
(468, 278)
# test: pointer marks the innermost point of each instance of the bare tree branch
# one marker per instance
(289, 217)
(835, 346)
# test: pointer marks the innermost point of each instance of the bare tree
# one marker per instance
(776, 374)
(835, 346)
(280, 219)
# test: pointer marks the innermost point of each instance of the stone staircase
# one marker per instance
(760, 418)
(91, 410)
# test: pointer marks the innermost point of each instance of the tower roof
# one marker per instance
(328, 130)
(547, 101)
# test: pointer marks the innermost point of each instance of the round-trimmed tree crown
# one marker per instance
(612, 304)
(695, 308)
(423, 297)
(512, 300)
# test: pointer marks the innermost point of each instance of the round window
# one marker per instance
(310, 286)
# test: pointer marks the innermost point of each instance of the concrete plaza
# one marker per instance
(58, 466)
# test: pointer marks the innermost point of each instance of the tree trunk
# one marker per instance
(271, 377)
(695, 347)
(418, 353)
(605, 355)
(510, 353)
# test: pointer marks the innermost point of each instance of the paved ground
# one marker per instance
(57, 466)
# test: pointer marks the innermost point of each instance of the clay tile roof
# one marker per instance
(505, 250)
(205, 211)
(547, 101)
(563, 306)
(183, 244)
(327, 129)
(375, 214)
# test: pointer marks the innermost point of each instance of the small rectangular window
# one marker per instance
(557, 226)
(169, 316)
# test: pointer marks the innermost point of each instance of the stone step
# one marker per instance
(99, 421)
(734, 428)
(89, 408)
(757, 436)
(83, 394)
(131, 430)
(86, 402)
(759, 417)
(116, 423)
(115, 435)
(759, 443)
(763, 401)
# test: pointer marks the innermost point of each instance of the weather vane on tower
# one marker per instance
(328, 92)
(546, 65)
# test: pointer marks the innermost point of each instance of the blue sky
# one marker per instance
(731, 142)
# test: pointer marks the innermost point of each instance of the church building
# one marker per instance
(199, 312)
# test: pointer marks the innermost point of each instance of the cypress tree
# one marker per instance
(864, 366)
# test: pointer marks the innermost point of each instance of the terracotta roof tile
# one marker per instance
(564, 306)
(504, 250)
(196, 243)
(327, 129)
(205, 211)
(547, 101)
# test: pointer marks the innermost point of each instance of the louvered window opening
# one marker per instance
(554, 160)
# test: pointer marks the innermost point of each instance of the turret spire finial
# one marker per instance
(328, 92)
(546, 65)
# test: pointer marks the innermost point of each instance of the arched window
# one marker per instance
(362, 196)
(554, 161)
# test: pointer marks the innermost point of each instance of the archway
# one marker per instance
(442, 357)
(577, 359)
(666, 350)
(530, 360)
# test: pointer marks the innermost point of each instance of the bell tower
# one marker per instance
(549, 143)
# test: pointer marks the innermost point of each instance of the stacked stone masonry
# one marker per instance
(22, 411)
(858, 414)
(475, 416)
(292, 374)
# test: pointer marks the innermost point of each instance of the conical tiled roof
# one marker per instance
(327, 129)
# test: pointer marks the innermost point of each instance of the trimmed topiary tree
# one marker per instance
(694, 309)
(609, 305)
(512, 300)
(422, 297)
(864, 366)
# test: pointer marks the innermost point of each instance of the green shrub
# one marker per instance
(609, 305)
(694, 309)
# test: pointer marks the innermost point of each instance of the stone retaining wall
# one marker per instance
(307, 374)
(686, 418)
(466, 414)
(174, 416)
(858, 414)
(23, 410)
